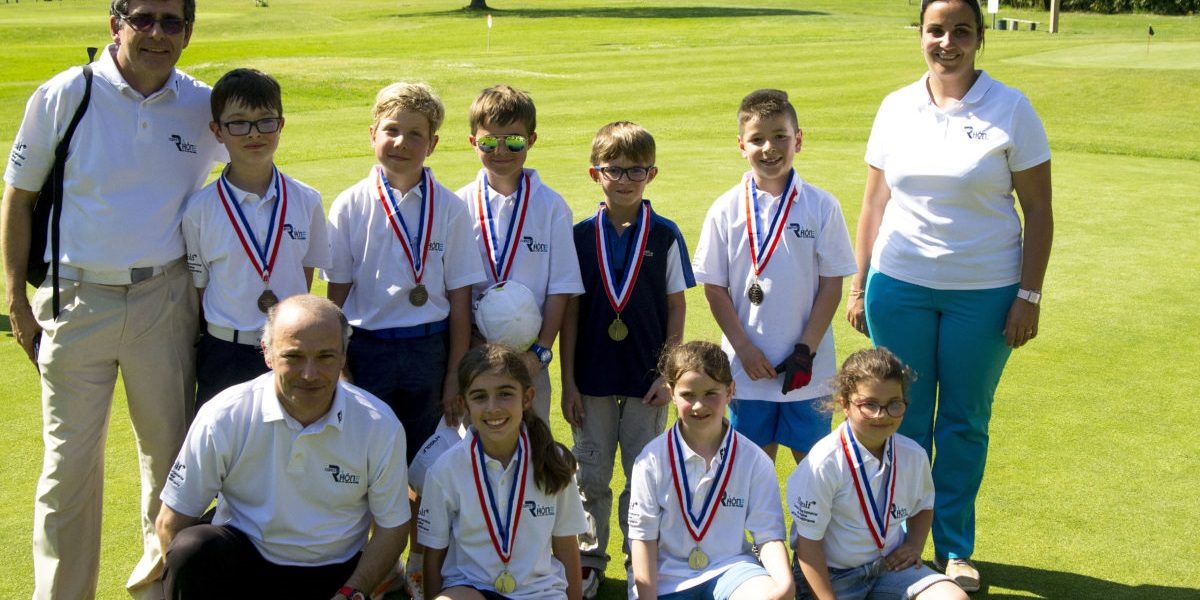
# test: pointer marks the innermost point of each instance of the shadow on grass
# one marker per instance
(1057, 584)
(637, 12)
(6, 325)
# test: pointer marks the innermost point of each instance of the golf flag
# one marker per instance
(1151, 31)
(490, 23)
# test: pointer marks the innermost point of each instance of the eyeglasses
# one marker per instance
(267, 125)
(615, 173)
(489, 143)
(144, 23)
(870, 410)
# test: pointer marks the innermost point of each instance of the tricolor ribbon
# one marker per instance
(697, 525)
(502, 531)
(400, 228)
(763, 247)
(500, 257)
(876, 523)
(620, 292)
(262, 256)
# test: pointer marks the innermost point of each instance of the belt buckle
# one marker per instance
(140, 274)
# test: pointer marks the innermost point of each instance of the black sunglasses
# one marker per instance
(144, 23)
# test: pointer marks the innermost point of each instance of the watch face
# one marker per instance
(358, 596)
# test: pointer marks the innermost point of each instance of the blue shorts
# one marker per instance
(797, 425)
(873, 581)
(722, 586)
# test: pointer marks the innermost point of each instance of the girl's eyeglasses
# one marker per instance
(870, 410)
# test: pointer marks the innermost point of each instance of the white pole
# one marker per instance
(1054, 16)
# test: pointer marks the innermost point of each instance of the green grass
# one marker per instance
(1093, 472)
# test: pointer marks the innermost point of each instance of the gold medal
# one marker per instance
(697, 560)
(617, 330)
(266, 300)
(506, 584)
(755, 294)
(418, 296)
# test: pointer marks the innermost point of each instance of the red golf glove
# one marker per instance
(796, 368)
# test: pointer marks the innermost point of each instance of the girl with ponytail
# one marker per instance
(501, 502)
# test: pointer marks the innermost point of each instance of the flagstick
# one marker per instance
(489, 34)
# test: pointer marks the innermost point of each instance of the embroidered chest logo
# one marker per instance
(294, 233)
(802, 233)
(899, 512)
(727, 500)
(340, 476)
(534, 246)
(437, 246)
(538, 511)
(974, 135)
(183, 145)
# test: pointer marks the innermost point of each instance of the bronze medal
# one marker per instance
(266, 300)
(755, 294)
(617, 330)
(418, 296)
(506, 583)
(697, 560)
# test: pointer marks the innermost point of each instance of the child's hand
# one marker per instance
(659, 393)
(531, 363)
(904, 556)
(572, 406)
(754, 362)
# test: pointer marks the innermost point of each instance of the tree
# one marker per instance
(478, 5)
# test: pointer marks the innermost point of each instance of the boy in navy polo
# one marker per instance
(635, 269)
(253, 236)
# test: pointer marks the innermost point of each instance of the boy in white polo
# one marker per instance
(404, 262)
(772, 255)
(253, 236)
(522, 227)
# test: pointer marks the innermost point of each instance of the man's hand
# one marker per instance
(25, 328)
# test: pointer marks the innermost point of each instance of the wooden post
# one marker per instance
(1054, 16)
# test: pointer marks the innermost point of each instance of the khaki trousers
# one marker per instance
(146, 331)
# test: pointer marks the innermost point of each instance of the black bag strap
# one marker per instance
(58, 173)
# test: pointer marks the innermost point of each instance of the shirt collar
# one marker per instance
(106, 68)
(244, 197)
(272, 410)
(975, 95)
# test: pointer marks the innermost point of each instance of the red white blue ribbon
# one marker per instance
(762, 247)
(500, 257)
(619, 292)
(876, 523)
(262, 256)
(698, 524)
(424, 227)
(501, 527)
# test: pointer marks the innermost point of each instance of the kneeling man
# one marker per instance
(302, 466)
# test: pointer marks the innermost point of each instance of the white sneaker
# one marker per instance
(591, 582)
(962, 571)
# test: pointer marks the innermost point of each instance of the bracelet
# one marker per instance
(857, 293)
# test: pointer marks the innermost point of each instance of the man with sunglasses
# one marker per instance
(126, 302)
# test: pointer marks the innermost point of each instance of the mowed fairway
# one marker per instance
(1091, 485)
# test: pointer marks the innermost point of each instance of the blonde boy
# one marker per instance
(772, 254)
(522, 227)
(403, 266)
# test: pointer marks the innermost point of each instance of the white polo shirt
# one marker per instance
(219, 263)
(545, 260)
(751, 503)
(825, 507)
(444, 438)
(367, 254)
(450, 518)
(814, 243)
(303, 495)
(133, 161)
(951, 222)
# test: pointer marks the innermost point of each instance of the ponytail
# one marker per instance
(553, 465)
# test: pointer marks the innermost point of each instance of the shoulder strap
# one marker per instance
(60, 162)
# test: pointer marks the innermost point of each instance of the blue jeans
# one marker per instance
(954, 341)
(722, 586)
(872, 581)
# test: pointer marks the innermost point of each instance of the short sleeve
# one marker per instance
(564, 261)
(835, 257)
(462, 265)
(318, 254)
(1030, 147)
(387, 490)
(200, 468)
(569, 518)
(711, 262)
(437, 506)
(644, 510)
(924, 493)
(764, 515)
(678, 271)
(196, 262)
(341, 226)
(810, 491)
(47, 113)
(877, 141)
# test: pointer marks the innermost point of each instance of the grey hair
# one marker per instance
(121, 7)
(322, 307)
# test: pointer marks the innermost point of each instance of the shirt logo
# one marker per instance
(178, 474)
(899, 513)
(803, 510)
(294, 233)
(538, 511)
(183, 145)
(18, 157)
(802, 233)
(534, 246)
(727, 500)
(974, 135)
(437, 246)
(342, 477)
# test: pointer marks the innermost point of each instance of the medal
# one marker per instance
(418, 296)
(877, 524)
(502, 527)
(266, 300)
(415, 250)
(698, 524)
(755, 294)
(500, 257)
(619, 292)
(262, 256)
(762, 247)
(505, 583)
(617, 330)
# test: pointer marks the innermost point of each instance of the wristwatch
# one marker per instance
(1033, 297)
(352, 593)
(543, 353)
